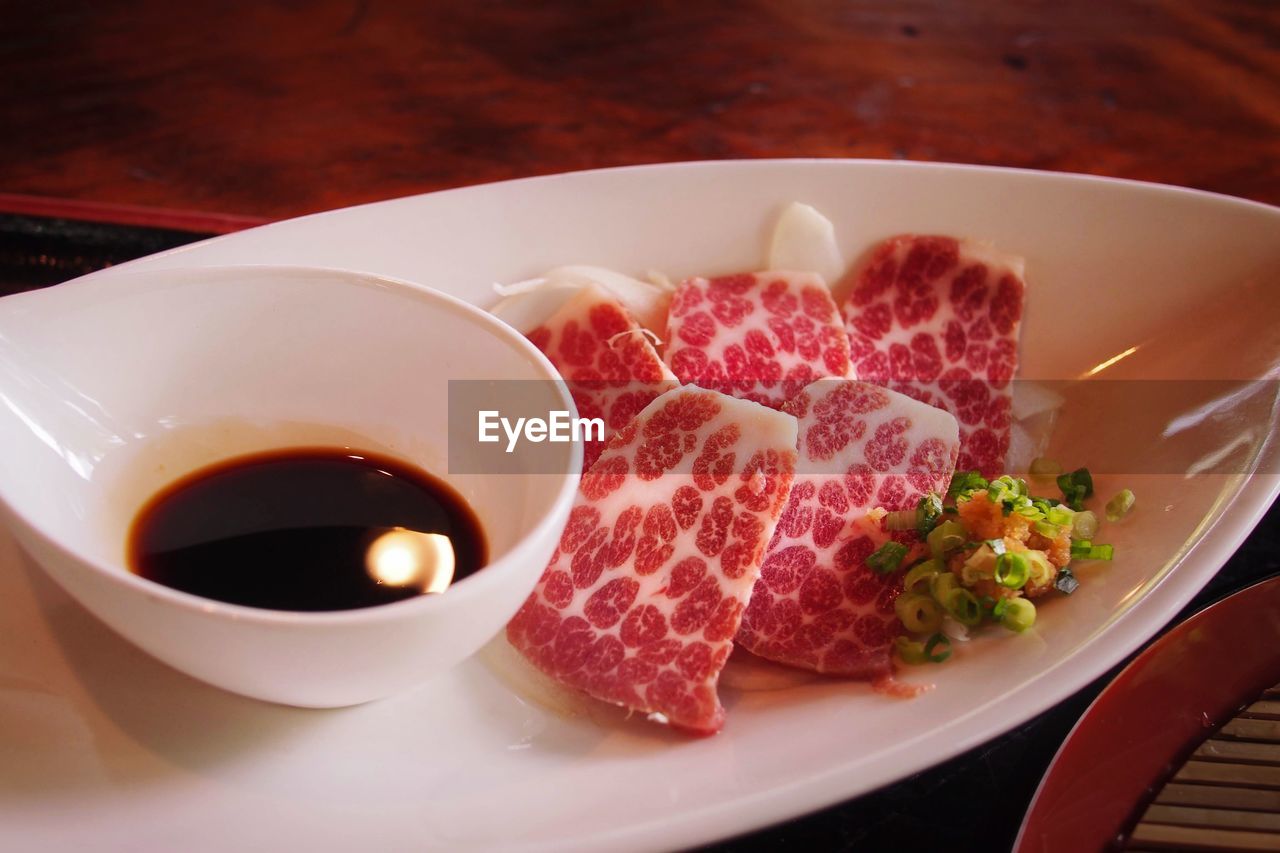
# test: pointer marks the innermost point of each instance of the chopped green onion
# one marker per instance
(1060, 515)
(1047, 529)
(1012, 496)
(1082, 477)
(900, 520)
(922, 519)
(920, 614)
(1119, 506)
(910, 651)
(932, 644)
(983, 552)
(1076, 487)
(1042, 571)
(998, 609)
(916, 653)
(1044, 469)
(887, 558)
(947, 536)
(928, 513)
(1066, 582)
(965, 482)
(920, 574)
(1074, 497)
(1012, 570)
(978, 566)
(1044, 505)
(1019, 615)
(941, 585)
(1010, 485)
(997, 491)
(963, 606)
(1084, 525)
(996, 546)
(1084, 549)
(1002, 497)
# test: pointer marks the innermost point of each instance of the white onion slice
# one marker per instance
(530, 307)
(516, 288)
(954, 630)
(660, 280)
(528, 304)
(982, 251)
(1022, 449)
(1032, 398)
(645, 302)
(805, 240)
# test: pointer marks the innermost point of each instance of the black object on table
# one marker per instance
(36, 251)
(973, 803)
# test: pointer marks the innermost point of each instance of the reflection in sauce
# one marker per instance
(307, 529)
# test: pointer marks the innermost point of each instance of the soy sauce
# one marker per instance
(307, 529)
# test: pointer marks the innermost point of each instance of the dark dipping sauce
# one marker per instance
(307, 529)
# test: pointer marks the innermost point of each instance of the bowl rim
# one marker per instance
(476, 584)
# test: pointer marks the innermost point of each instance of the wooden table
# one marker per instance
(138, 111)
(283, 108)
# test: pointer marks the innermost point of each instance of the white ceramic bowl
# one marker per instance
(111, 391)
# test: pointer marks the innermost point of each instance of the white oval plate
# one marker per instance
(101, 746)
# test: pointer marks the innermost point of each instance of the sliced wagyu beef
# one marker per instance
(643, 597)
(937, 319)
(760, 336)
(606, 359)
(817, 604)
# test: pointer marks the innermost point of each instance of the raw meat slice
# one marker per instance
(642, 598)
(758, 336)
(817, 605)
(607, 361)
(937, 319)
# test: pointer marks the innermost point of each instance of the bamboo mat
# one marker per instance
(1227, 794)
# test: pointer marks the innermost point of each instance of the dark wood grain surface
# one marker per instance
(280, 108)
